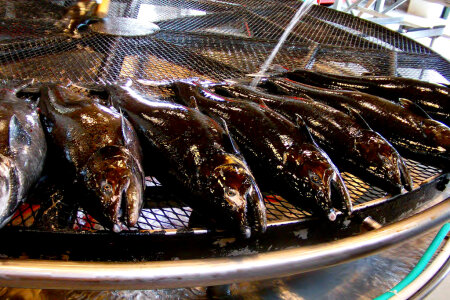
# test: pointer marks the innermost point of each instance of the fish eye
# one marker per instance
(315, 178)
(107, 188)
(231, 192)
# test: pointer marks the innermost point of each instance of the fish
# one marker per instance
(283, 157)
(193, 152)
(433, 98)
(406, 126)
(100, 152)
(351, 146)
(22, 148)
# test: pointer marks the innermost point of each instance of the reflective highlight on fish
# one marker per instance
(185, 147)
(412, 132)
(353, 147)
(101, 150)
(433, 98)
(22, 149)
(283, 157)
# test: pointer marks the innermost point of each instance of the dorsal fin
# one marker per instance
(408, 104)
(301, 124)
(357, 117)
(193, 103)
(228, 138)
(18, 136)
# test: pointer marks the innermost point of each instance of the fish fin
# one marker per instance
(308, 97)
(193, 103)
(16, 86)
(228, 138)
(408, 104)
(445, 84)
(301, 124)
(18, 136)
(357, 117)
(127, 131)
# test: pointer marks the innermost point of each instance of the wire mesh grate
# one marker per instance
(169, 213)
(208, 40)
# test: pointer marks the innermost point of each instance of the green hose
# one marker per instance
(420, 265)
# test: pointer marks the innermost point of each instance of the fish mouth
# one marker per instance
(405, 176)
(395, 174)
(238, 204)
(126, 207)
(339, 196)
(256, 209)
(115, 182)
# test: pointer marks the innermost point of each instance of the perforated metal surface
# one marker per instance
(209, 40)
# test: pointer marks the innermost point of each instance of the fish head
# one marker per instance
(238, 197)
(322, 182)
(438, 134)
(114, 177)
(385, 163)
(9, 192)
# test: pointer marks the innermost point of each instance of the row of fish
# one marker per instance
(214, 148)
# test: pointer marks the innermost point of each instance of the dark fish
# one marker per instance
(277, 150)
(22, 150)
(433, 98)
(406, 126)
(102, 152)
(351, 146)
(200, 156)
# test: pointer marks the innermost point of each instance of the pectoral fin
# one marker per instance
(229, 140)
(408, 104)
(127, 131)
(357, 117)
(304, 128)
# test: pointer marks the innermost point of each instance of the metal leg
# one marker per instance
(379, 5)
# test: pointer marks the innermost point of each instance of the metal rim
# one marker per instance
(172, 274)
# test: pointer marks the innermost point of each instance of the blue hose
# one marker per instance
(423, 262)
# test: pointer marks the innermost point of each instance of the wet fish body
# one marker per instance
(406, 126)
(278, 152)
(22, 150)
(351, 146)
(198, 154)
(101, 150)
(433, 98)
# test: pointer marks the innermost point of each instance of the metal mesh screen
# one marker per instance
(166, 213)
(210, 40)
